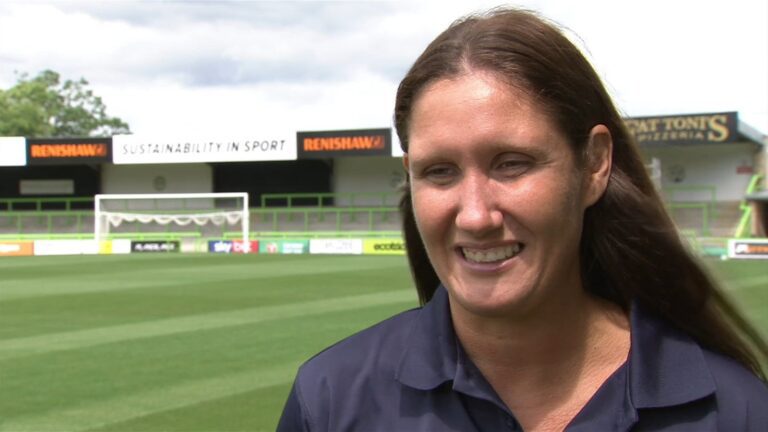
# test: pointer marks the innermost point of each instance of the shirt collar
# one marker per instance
(431, 354)
(666, 367)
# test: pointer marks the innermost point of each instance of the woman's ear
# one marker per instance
(599, 157)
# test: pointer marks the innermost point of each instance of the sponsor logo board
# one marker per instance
(284, 246)
(329, 144)
(17, 248)
(233, 246)
(220, 246)
(154, 246)
(66, 247)
(294, 246)
(50, 151)
(119, 246)
(684, 129)
(132, 149)
(239, 246)
(392, 246)
(114, 247)
(336, 246)
(14, 151)
(748, 248)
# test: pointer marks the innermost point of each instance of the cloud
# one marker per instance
(206, 44)
(315, 60)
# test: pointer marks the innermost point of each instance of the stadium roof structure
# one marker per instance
(761, 196)
(748, 133)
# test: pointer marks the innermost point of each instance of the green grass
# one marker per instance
(197, 342)
(175, 342)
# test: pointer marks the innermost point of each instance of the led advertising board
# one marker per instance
(330, 144)
(60, 151)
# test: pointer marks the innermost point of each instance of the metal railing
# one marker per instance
(38, 220)
(746, 209)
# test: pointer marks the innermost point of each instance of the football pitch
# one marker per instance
(198, 342)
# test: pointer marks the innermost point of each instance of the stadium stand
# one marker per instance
(706, 223)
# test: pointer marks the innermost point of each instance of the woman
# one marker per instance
(557, 294)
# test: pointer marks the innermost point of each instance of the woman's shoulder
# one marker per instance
(375, 347)
(740, 396)
(672, 370)
(734, 382)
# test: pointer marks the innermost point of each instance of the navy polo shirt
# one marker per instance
(410, 373)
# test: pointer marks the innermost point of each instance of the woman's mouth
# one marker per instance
(491, 255)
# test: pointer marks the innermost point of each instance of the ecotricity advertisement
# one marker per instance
(263, 146)
(388, 246)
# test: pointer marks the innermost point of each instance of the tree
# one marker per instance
(43, 106)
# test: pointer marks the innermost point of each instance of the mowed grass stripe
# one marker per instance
(11, 348)
(116, 275)
(749, 282)
(121, 408)
(207, 378)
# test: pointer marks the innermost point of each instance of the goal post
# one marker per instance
(181, 209)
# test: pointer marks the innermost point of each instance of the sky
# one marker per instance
(234, 68)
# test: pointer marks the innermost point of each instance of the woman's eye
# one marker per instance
(513, 167)
(439, 174)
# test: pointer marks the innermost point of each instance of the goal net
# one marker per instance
(204, 214)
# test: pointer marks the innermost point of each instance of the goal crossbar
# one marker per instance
(102, 217)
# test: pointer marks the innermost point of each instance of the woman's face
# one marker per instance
(497, 194)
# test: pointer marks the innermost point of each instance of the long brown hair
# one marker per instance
(630, 249)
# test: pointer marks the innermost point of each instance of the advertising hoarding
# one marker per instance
(17, 248)
(330, 144)
(388, 246)
(66, 247)
(60, 151)
(220, 246)
(748, 248)
(284, 246)
(233, 246)
(115, 246)
(710, 128)
(134, 149)
(14, 151)
(154, 246)
(336, 246)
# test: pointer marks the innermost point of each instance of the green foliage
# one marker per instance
(44, 106)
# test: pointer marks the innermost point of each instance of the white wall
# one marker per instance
(160, 178)
(719, 165)
(367, 174)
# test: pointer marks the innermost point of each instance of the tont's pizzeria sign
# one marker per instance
(684, 129)
(57, 151)
(328, 144)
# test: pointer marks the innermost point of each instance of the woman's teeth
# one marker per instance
(491, 255)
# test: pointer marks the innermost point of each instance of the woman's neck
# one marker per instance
(546, 366)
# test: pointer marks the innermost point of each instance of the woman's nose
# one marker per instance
(478, 212)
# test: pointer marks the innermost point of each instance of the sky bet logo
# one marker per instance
(230, 246)
(221, 246)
